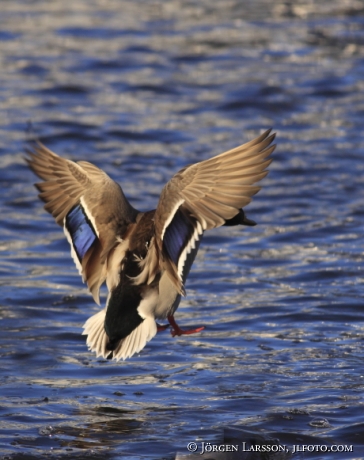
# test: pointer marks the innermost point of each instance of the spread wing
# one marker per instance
(88, 204)
(206, 195)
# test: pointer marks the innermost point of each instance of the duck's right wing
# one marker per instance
(88, 204)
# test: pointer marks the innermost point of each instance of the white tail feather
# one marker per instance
(96, 335)
(97, 338)
(137, 340)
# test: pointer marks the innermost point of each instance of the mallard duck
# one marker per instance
(144, 257)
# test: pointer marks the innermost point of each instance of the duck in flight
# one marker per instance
(144, 257)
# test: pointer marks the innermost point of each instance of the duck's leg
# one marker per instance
(161, 328)
(176, 330)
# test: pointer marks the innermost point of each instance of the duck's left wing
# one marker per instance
(88, 204)
(207, 195)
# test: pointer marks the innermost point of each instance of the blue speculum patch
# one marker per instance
(177, 235)
(81, 230)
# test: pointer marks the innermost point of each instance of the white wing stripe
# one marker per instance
(190, 245)
(73, 252)
(89, 215)
(170, 217)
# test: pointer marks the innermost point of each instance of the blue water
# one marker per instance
(142, 89)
